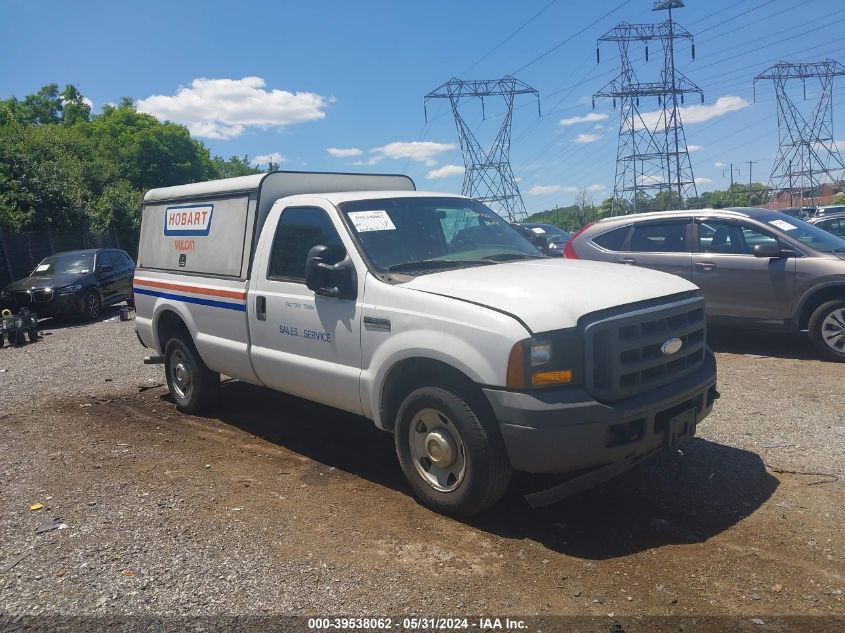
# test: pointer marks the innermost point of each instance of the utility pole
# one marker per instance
(750, 163)
(488, 176)
(732, 180)
(652, 156)
(807, 153)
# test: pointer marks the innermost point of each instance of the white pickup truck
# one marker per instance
(431, 316)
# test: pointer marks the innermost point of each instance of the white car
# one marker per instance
(428, 314)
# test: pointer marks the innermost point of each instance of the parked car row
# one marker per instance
(757, 268)
(76, 283)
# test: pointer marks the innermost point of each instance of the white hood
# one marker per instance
(551, 294)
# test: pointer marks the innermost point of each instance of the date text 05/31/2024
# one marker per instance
(417, 624)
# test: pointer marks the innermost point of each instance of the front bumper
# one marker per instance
(60, 304)
(565, 430)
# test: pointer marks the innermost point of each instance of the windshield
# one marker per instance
(809, 235)
(548, 230)
(65, 263)
(423, 234)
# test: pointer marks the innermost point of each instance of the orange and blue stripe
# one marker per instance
(200, 295)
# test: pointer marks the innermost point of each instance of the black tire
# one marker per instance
(823, 333)
(486, 471)
(92, 305)
(199, 393)
(32, 334)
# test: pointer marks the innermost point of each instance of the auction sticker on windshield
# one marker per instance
(365, 221)
(783, 225)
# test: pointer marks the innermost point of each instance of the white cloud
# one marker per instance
(694, 148)
(598, 126)
(88, 102)
(699, 113)
(719, 164)
(224, 108)
(272, 157)
(596, 188)
(445, 172)
(421, 151)
(343, 152)
(592, 117)
(542, 190)
(587, 138)
(703, 181)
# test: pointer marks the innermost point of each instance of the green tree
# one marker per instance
(75, 108)
(42, 179)
(232, 167)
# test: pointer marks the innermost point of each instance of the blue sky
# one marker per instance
(294, 80)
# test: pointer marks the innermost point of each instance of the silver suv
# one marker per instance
(757, 268)
(831, 222)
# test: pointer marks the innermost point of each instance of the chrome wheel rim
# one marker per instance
(92, 305)
(437, 450)
(180, 374)
(833, 330)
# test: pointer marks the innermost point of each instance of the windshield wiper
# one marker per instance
(434, 264)
(508, 257)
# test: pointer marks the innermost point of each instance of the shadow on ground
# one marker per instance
(72, 321)
(762, 343)
(678, 497)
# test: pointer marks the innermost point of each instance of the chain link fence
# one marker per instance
(21, 252)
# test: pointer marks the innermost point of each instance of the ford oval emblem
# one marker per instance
(672, 346)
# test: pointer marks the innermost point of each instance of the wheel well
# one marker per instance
(815, 300)
(413, 373)
(169, 324)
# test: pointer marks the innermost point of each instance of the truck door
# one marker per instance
(304, 344)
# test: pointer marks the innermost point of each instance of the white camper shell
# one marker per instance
(428, 314)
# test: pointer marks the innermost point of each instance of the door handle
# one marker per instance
(628, 261)
(261, 308)
(705, 265)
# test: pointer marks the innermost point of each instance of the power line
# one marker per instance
(511, 36)
(571, 37)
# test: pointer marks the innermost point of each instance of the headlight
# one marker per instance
(541, 353)
(68, 290)
(555, 358)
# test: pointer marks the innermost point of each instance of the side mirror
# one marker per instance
(771, 250)
(330, 280)
(540, 241)
(105, 269)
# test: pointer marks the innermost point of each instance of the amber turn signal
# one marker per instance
(552, 377)
(516, 367)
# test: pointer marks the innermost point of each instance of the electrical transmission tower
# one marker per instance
(488, 176)
(807, 153)
(652, 156)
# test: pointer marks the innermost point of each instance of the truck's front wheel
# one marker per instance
(193, 386)
(451, 453)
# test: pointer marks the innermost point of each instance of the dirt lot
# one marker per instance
(275, 505)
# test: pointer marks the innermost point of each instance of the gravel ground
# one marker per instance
(279, 506)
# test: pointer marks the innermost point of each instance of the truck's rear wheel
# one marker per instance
(193, 386)
(451, 453)
(827, 330)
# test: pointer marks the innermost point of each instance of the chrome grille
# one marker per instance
(42, 295)
(624, 355)
(22, 297)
